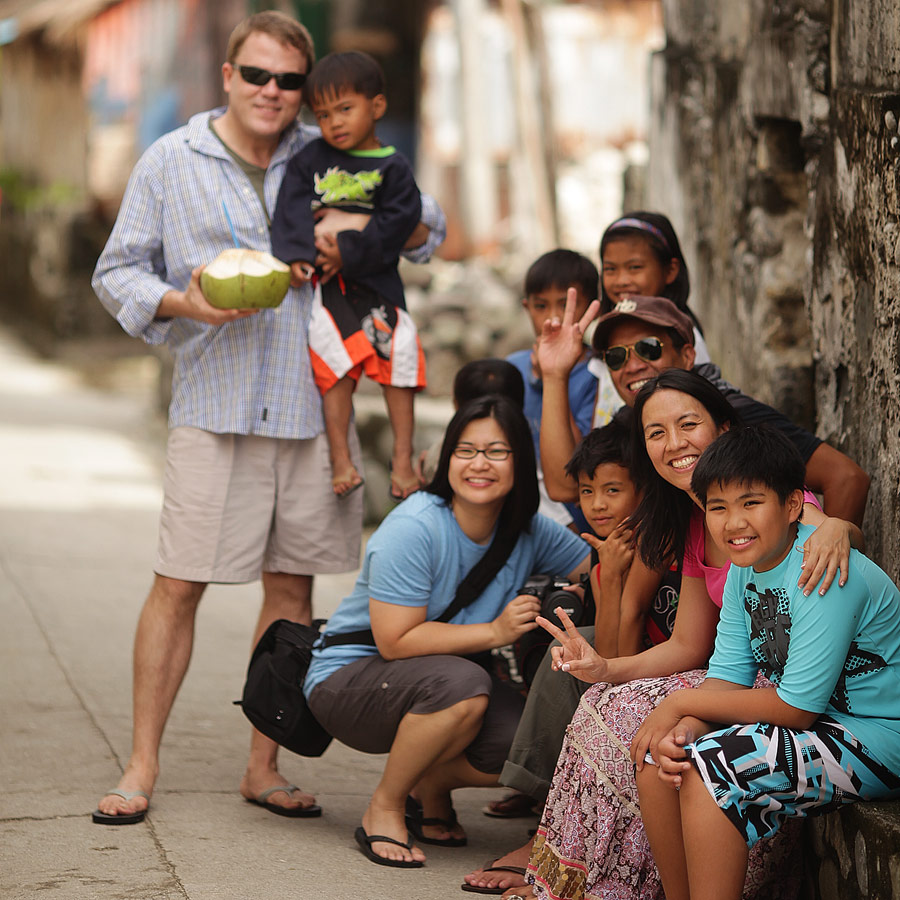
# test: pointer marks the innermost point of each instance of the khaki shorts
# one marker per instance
(238, 505)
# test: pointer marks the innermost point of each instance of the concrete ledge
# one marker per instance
(854, 853)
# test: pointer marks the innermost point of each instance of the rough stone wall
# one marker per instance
(774, 149)
(855, 278)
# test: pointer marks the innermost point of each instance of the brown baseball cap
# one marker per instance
(655, 310)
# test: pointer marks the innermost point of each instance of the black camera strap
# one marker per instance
(469, 590)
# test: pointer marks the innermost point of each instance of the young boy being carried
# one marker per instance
(359, 321)
(546, 282)
(833, 710)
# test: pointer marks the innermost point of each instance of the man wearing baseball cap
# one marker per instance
(641, 337)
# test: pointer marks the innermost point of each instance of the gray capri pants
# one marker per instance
(552, 701)
(362, 703)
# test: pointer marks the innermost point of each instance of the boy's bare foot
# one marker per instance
(404, 480)
(346, 481)
(502, 878)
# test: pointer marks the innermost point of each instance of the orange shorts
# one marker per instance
(354, 330)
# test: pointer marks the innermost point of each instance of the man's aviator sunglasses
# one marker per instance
(286, 81)
(648, 349)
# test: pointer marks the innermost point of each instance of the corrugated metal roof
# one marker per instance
(59, 18)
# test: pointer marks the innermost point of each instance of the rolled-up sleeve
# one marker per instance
(130, 275)
(433, 219)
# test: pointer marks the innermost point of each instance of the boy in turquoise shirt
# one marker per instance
(823, 731)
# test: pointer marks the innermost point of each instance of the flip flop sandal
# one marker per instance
(296, 812)
(102, 818)
(415, 825)
(365, 842)
(489, 867)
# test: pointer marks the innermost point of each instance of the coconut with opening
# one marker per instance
(245, 279)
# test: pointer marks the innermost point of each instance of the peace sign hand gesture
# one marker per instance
(574, 655)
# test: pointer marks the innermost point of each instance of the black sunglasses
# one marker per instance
(648, 349)
(286, 81)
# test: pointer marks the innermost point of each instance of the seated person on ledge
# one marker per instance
(825, 734)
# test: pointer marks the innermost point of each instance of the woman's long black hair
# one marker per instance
(657, 231)
(521, 502)
(662, 517)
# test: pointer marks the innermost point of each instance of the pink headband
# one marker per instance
(641, 225)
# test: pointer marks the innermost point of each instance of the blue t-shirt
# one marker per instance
(582, 394)
(838, 654)
(418, 557)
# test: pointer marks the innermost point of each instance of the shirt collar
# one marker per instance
(201, 139)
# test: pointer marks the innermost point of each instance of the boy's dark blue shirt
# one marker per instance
(379, 183)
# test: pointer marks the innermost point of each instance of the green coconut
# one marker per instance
(245, 279)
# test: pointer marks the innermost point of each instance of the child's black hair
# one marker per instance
(351, 71)
(658, 232)
(757, 455)
(488, 376)
(562, 269)
(609, 444)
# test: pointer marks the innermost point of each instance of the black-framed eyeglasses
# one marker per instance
(648, 349)
(494, 454)
(286, 81)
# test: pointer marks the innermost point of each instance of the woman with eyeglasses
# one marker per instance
(591, 841)
(439, 585)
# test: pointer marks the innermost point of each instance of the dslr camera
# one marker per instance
(520, 660)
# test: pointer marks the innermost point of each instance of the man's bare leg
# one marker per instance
(162, 651)
(284, 597)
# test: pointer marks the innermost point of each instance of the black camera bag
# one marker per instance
(273, 692)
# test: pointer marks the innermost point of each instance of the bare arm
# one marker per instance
(641, 586)
(714, 703)
(608, 579)
(402, 632)
(689, 647)
(844, 486)
(827, 550)
(559, 349)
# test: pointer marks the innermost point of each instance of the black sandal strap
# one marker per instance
(372, 838)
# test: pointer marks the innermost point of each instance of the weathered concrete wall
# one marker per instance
(775, 150)
(855, 278)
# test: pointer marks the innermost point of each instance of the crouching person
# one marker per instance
(397, 668)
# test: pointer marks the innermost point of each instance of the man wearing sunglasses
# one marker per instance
(248, 480)
(641, 337)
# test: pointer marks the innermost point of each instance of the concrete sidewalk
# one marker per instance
(79, 499)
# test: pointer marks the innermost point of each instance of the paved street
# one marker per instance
(79, 498)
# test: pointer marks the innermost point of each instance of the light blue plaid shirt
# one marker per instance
(252, 376)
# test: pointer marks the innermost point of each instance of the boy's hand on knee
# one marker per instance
(672, 759)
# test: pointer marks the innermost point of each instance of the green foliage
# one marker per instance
(24, 194)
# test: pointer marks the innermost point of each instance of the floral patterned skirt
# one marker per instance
(591, 842)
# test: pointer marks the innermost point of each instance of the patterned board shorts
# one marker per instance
(760, 775)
